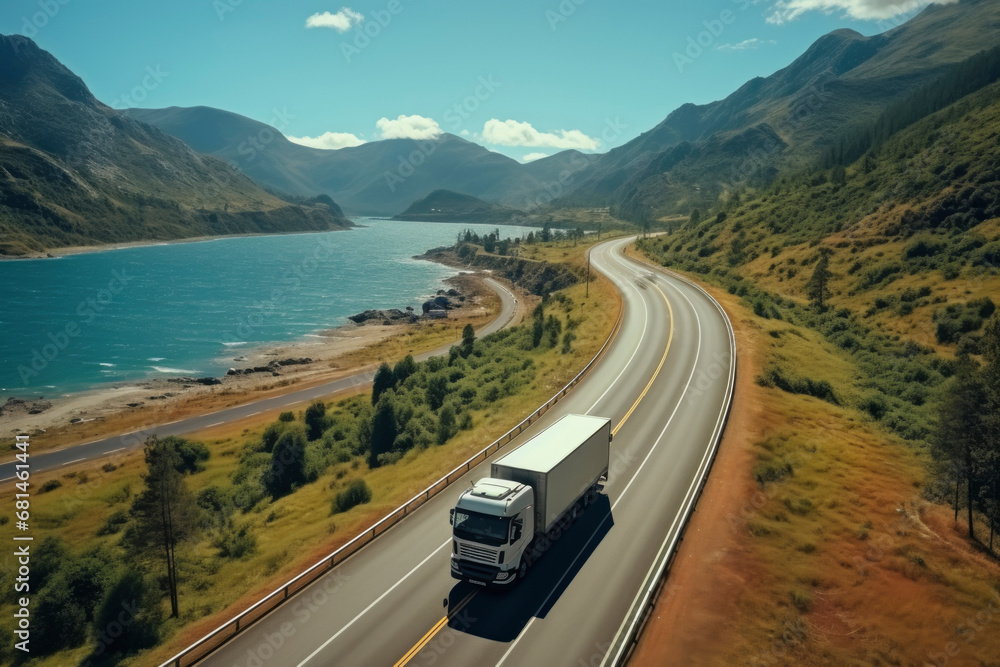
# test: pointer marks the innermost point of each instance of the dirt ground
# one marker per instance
(868, 573)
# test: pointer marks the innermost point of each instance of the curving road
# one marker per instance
(122, 444)
(666, 383)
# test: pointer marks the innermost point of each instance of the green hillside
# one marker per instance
(783, 122)
(448, 206)
(76, 172)
(911, 233)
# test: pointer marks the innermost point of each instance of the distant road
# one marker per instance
(121, 444)
(666, 384)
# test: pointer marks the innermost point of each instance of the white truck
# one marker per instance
(498, 522)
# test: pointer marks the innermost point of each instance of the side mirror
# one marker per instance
(516, 531)
(451, 517)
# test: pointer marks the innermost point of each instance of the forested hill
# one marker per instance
(73, 171)
(893, 262)
(448, 206)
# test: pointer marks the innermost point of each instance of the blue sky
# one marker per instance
(524, 78)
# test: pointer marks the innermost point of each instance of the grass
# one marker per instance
(842, 559)
(296, 530)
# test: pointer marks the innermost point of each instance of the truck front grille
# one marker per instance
(472, 552)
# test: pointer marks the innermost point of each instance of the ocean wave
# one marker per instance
(105, 363)
(236, 344)
(164, 369)
(156, 359)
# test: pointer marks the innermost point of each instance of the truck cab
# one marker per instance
(492, 525)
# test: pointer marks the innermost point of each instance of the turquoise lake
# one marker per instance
(84, 321)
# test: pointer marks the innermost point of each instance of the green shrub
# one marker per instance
(356, 493)
(235, 541)
(50, 485)
(114, 523)
(771, 471)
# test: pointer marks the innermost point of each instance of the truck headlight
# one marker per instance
(502, 575)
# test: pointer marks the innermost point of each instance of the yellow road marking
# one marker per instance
(649, 384)
(433, 631)
(444, 621)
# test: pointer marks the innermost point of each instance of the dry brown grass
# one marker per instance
(840, 563)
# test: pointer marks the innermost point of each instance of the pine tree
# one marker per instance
(384, 380)
(165, 511)
(384, 429)
(961, 430)
(990, 457)
(468, 340)
(315, 420)
(817, 288)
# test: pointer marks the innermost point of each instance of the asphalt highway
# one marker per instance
(122, 444)
(665, 383)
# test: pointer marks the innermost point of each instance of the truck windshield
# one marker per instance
(482, 528)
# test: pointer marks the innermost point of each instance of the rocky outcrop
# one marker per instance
(391, 316)
(271, 368)
(535, 277)
(15, 406)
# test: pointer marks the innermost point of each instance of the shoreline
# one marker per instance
(321, 356)
(67, 251)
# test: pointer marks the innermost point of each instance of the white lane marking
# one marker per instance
(215, 424)
(253, 413)
(6, 478)
(73, 461)
(656, 444)
(408, 574)
(645, 321)
(689, 498)
(368, 608)
(112, 451)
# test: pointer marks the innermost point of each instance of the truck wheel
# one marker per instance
(574, 513)
(522, 569)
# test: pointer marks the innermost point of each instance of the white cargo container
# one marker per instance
(496, 523)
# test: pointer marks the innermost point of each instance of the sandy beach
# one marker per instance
(335, 353)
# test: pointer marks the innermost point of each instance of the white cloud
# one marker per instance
(408, 127)
(745, 45)
(342, 21)
(514, 133)
(329, 140)
(465, 133)
(788, 10)
(534, 156)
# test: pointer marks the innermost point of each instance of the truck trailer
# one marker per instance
(498, 521)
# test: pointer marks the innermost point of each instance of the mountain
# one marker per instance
(786, 120)
(74, 171)
(375, 178)
(448, 206)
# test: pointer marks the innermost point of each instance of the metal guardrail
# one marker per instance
(622, 649)
(268, 603)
